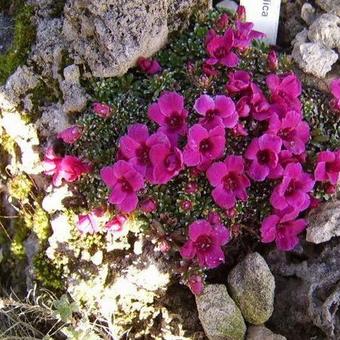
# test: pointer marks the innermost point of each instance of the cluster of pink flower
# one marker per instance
(277, 154)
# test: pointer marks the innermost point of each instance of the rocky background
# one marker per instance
(296, 294)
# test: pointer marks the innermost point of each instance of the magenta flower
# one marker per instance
(102, 110)
(167, 162)
(148, 205)
(218, 111)
(219, 49)
(71, 134)
(169, 113)
(149, 66)
(214, 218)
(285, 158)
(241, 13)
(285, 91)
(229, 181)
(263, 152)
(116, 225)
(203, 146)
(210, 70)
(293, 190)
(335, 90)
(69, 168)
(239, 81)
(222, 22)
(328, 167)
(243, 107)
(260, 108)
(136, 145)
(293, 131)
(90, 223)
(124, 181)
(196, 284)
(282, 230)
(244, 34)
(272, 61)
(205, 242)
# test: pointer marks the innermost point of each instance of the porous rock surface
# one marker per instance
(220, 317)
(252, 287)
(326, 30)
(110, 35)
(316, 48)
(330, 6)
(307, 291)
(324, 222)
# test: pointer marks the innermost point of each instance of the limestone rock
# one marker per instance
(307, 13)
(219, 315)
(74, 95)
(326, 30)
(17, 85)
(252, 287)
(228, 4)
(53, 120)
(324, 223)
(307, 292)
(314, 58)
(330, 6)
(48, 49)
(110, 35)
(262, 333)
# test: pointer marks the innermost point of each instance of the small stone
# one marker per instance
(301, 37)
(307, 13)
(220, 317)
(262, 333)
(324, 223)
(326, 30)
(252, 287)
(314, 58)
(228, 4)
(74, 95)
(54, 200)
(330, 6)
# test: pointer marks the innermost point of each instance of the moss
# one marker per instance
(17, 245)
(19, 187)
(41, 223)
(47, 272)
(24, 35)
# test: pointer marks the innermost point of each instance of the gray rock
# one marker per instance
(252, 287)
(307, 13)
(330, 6)
(262, 333)
(326, 30)
(324, 223)
(74, 95)
(228, 4)
(53, 120)
(314, 58)
(307, 292)
(110, 35)
(18, 84)
(48, 50)
(219, 315)
(301, 37)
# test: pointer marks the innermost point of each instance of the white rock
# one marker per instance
(53, 201)
(324, 223)
(61, 229)
(307, 13)
(330, 6)
(228, 4)
(314, 58)
(326, 30)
